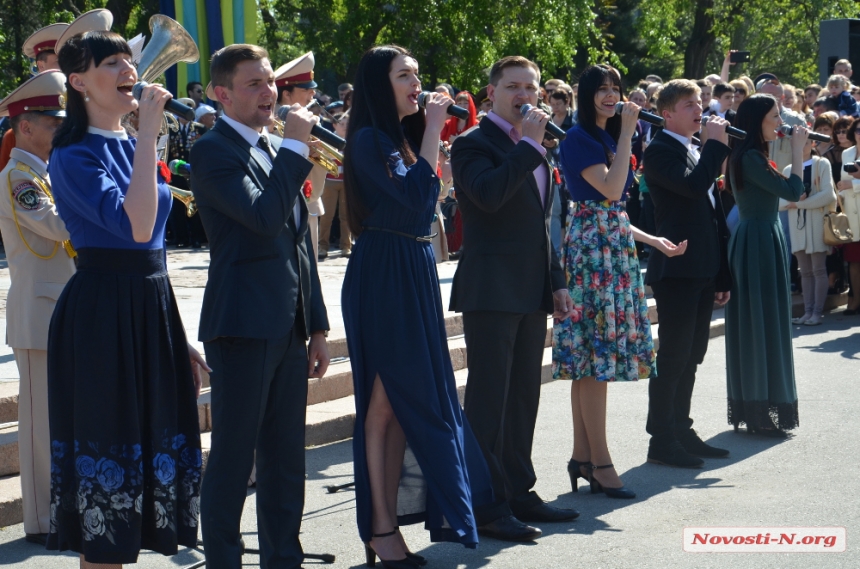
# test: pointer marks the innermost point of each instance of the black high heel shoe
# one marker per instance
(404, 563)
(574, 470)
(413, 557)
(596, 486)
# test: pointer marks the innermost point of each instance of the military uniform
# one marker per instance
(300, 73)
(40, 264)
(186, 230)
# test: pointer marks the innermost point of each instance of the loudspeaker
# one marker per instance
(838, 39)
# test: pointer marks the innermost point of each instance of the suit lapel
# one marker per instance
(503, 141)
(692, 161)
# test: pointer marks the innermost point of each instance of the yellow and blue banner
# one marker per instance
(212, 24)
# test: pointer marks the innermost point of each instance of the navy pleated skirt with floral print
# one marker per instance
(126, 459)
(609, 335)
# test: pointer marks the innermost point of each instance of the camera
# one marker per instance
(852, 168)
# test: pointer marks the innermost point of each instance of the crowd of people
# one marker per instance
(541, 224)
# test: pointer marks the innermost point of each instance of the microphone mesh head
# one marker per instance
(422, 99)
(137, 89)
(619, 106)
(283, 112)
(524, 110)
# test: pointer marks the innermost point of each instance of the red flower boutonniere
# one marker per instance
(164, 171)
(721, 183)
(307, 188)
(633, 162)
(772, 164)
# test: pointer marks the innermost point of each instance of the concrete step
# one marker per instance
(328, 420)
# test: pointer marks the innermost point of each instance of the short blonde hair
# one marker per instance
(838, 80)
(674, 91)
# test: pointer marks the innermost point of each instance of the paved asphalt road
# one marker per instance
(809, 480)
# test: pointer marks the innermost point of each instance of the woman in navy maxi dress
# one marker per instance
(395, 328)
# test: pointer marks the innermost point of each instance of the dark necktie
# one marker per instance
(264, 144)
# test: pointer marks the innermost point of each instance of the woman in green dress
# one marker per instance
(760, 367)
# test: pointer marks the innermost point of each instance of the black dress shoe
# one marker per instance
(37, 538)
(509, 528)
(543, 512)
(674, 455)
(697, 447)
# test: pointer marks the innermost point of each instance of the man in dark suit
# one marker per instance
(262, 303)
(508, 281)
(686, 208)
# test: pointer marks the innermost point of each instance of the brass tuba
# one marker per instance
(168, 45)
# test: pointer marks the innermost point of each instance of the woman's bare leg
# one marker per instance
(382, 445)
(592, 396)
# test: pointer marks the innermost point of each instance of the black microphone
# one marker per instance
(317, 130)
(643, 115)
(787, 130)
(172, 105)
(730, 130)
(552, 129)
(453, 110)
(179, 167)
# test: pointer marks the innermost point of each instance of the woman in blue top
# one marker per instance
(405, 394)
(608, 338)
(126, 460)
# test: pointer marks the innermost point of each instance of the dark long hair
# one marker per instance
(75, 57)
(590, 82)
(751, 114)
(373, 105)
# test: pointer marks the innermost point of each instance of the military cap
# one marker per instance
(43, 93)
(99, 20)
(298, 73)
(43, 40)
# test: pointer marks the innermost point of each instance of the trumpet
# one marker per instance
(187, 198)
(328, 156)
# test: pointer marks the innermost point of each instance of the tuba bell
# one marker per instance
(168, 45)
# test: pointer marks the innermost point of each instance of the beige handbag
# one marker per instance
(836, 228)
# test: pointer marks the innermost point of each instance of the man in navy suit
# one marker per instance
(686, 208)
(262, 303)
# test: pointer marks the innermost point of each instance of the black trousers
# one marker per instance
(685, 307)
(259, 400)
(504, 351)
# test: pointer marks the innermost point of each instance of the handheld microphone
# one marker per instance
(552, 129)
(179, 167)
(317, 130)
(730, 130)
(453, 110)
(787, 130)
(643, 115)
(172, 106)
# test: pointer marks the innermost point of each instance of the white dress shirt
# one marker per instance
(252, 136)
(694, 152)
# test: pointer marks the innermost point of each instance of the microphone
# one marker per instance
(643, 115)
(317, 130)
(453, 110)
(172, 105)
(552, 129)
(730, 130)
(787, 130)
(179, 167)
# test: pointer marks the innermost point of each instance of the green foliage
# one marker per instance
(454, 41)
(782, 35)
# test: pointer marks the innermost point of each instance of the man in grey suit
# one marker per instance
(507, 283)
(262, 303)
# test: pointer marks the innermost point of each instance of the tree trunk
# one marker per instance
(702, 40)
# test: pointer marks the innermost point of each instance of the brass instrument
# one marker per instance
(186, 197)
(327, 154)
(168, 45)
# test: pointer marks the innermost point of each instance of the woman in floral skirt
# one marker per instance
(608, 338)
